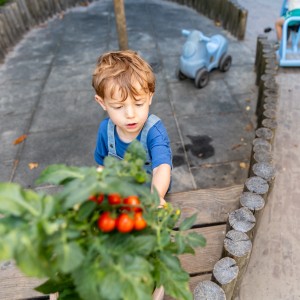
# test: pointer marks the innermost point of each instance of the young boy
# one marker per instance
(124, 85)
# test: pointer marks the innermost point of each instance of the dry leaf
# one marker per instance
(20, 139)
(206, 166)
(243, 165)
(33, 165)
(249, 127)
(236, 146)
(218, 23)
(85, 3)
(248, 100)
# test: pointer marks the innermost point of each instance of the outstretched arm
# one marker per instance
(161, 178)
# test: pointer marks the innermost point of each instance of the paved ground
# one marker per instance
(46, 93)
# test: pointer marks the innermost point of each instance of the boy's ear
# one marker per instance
(100, 101)
(151, 96)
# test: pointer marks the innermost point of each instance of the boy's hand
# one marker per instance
(162, 203)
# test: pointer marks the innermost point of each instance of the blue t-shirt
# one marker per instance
(158, 144)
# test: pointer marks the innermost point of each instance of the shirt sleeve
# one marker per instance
(159, 145)
(101, 150)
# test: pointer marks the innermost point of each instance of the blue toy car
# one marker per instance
(200, 55)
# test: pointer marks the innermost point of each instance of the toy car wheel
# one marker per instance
(180, 75)
(225, 63)
(201, 78)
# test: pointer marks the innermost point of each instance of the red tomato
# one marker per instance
(106, 222)
(134, 203)
(139, 221)
(114, 199)
(98, 199)
(93, 198)
(125, 223)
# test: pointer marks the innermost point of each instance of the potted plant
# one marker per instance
(100, 235)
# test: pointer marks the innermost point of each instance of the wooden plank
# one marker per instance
(205, 258)
(211, 205)
(15, 285)
(193, 282)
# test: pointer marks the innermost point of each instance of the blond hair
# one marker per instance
(120, 69)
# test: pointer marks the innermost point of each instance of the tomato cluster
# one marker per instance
(126, 214)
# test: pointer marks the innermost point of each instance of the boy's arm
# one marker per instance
(161, 177)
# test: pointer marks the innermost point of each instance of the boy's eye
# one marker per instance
(140, 104)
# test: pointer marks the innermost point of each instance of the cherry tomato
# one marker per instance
(134, 203)
(125, 223)
(93, 198)
(106, 222)
(139, 221)
(97, 198)
(114, 199)
(100, 198)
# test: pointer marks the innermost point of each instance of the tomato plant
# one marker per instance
(79, 246)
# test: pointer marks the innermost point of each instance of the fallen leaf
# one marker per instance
(85, 3)
(33, 165)
(218, 23)
(248, 100)
(20, 139)
(236, 146)
(248, 108)
(206, 166)
(243, 165)
(249, 127)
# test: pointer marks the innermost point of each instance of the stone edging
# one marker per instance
(243, 222)
(229, 13)
(19, 16)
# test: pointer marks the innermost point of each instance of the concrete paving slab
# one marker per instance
(215, 98)
(12, 126)
(226, 141)
(72, 146)
(19, 97)
(220, 175)
(79, 107)
(70, 77)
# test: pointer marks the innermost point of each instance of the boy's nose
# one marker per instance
(130, 111)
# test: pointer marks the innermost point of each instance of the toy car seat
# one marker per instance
(289, 56)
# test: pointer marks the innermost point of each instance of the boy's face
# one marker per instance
(130, 115)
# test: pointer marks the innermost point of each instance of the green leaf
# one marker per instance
(27, 255)
(89, 278)
(179, 239)
(57, 174)
(169, 273)
(195, 239)
(135, 151)
(85, 210)
(188, 222)
(56, 284)
(16, 201)
(69, 256)
(130, 278)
